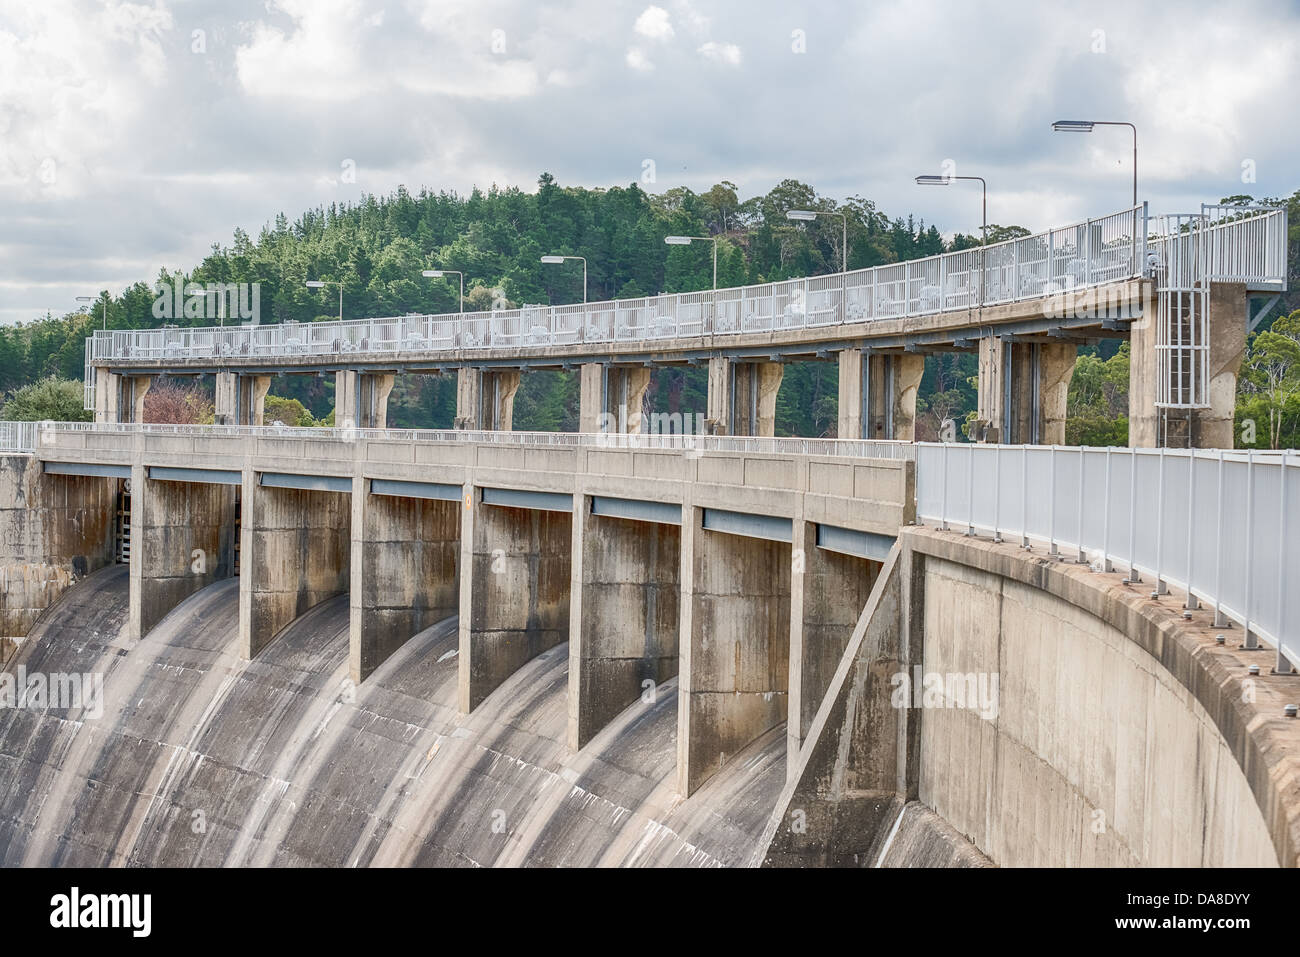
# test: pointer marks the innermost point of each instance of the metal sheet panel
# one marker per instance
(436, 490)
(164, 473)
(846, 541)
(526, 498)
(314, 483)
(87, 468)
(639, 510)
(770, 527)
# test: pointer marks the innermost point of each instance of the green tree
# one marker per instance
(52, 398)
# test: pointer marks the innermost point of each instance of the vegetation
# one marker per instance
(51, 398)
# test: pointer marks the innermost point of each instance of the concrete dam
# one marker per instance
(686, 673)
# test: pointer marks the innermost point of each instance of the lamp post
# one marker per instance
(808, 215)
(440, 273)
(984, 216)
(321, 284)
(560, 259)
(687, 240)
(92, 299)
(1086, 126)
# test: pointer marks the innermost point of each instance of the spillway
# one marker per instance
(202, 759)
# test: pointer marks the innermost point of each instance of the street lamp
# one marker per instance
(440, 273)
(984, 225)
(560, 259)
(1085, 126)
(808, 215)
(687, 240)
(92, 299)
(319, 284)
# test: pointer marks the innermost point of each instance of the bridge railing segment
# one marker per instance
(1224, 526)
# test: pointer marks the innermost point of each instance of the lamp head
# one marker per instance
(552, 259)
(677, 240)
(315, 284)
(803, 215)
(1073, 126)
(933, 180)
(432, 273)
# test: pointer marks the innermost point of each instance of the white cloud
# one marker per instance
(654, 24)
(637, 60)
(727, 53)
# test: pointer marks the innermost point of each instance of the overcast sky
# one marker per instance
(134, 136)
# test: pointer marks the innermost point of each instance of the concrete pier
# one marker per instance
(241, 399)
(361, 399)
(877, 394)
(1023, 388)
(485, 399)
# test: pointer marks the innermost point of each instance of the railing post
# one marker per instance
(1161, 588)
(1024, 496)
(1082, 558)
(1283, 664)
(943, 496)
(1192, 603)
(1220, 619)
(1052, 550)
(970, 490)
(997, 494)
(1134, 575)
(1105, 521)
(1252, 642)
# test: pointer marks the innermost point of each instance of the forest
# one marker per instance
(377, 248)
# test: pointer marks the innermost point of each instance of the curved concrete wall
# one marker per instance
(201, 758)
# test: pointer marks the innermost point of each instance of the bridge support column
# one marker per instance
(485, 399)
(361, 399)
(241, 399)
(828, 591)
(735, 639)
(623, 617)
(1209, 428)
(889, 384)
(591, 397)
(851, 375)
(295, 546)
(514, 592)
(108, 396)
(611, 398)
(1023, 388)
(182, 540)
(742, 396)
(405, 555)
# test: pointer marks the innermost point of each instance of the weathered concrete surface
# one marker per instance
(735, 636)
(827, 593)
(623, 617)
(1038, 395)
(54, 529)
(485, 398)
(204, 759)
(182, 539)
(405, 554)
(892, 386)
(295, 549)
(516, 592)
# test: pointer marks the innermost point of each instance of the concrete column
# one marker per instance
(719, 396)
(514, 592)
(624, 392)
(891, 387)
(754, 390)
(347, 404)
(485, 399)
(623, 616)
(828, 591)
(295, 547)
(591, 397)
(240, 399)
(850, 395)
(404, 564)
(108, 395)
(182, 540)
(138, 387)
(361, 399)
(1038, 382)
(735, 643)
(1210, 427)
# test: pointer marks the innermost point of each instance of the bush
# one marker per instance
(52, 398)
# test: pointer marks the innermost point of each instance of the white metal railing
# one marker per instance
(1223, 526)
(17, 436)
(856, 448)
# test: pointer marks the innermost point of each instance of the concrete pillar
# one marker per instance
(850, 395)
(1024, 403)
(485, 399)
(624, 393)
(361, 399)
(108, 394)
(514, 592)
(891, 387)
(591, 397)
(1212, 427)
(295, 547)
(828, 591)
(240, 399)
(754, 388)
(718, 419)
(623, 616)
(137, 387)
(735, 642)
(404, 560)
(182, 540)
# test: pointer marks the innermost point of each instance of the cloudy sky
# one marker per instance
(135, 135)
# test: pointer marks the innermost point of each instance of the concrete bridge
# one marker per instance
(756, 600)
(1179, 286)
